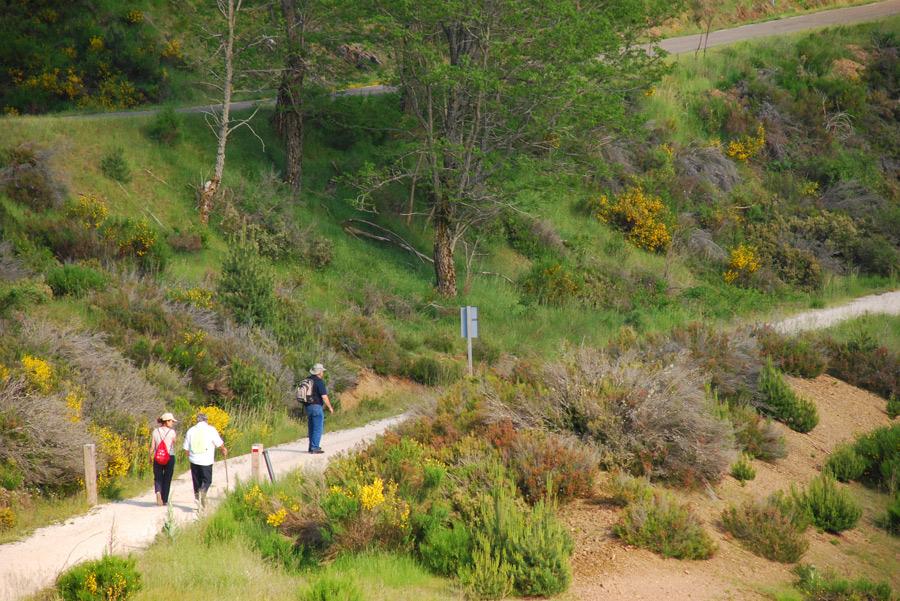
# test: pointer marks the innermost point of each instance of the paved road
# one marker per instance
(30, 565)
(825, 18)
(679, 45)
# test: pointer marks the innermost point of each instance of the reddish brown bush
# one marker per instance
(798, 356)
(862, 362)
(544, 461)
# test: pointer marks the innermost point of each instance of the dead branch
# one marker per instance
(382, 234)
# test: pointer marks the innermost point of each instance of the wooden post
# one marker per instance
(90, 473)
(256, 451)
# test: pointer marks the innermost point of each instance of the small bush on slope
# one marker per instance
(665, 526)
(743, 470)
(777, 399)
(74, 280)
(754, 434)
(107, 579)
(766, 531)
(798, 356)
(247, 285)
(829, 506)
(827, 587)
(649, 419)
(861, 361)
(845, 464)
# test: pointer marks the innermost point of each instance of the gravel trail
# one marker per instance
(886, 303)
(30, 565)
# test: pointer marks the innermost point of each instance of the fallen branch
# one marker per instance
(382, 234)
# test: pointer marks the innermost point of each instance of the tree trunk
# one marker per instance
(289, 108)
(211, 188)
(444, 267)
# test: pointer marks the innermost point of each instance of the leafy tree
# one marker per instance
(484, 80)
(247, 284)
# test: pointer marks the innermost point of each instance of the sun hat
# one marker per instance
(167, 417)
(317, 369)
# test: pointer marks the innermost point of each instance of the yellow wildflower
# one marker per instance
(276, 519)
(38, 373)
(372, 495)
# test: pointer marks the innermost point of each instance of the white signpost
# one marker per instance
(468, 329)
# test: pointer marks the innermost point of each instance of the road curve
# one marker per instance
(825, 18)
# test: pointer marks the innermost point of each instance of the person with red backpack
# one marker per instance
(162, 456)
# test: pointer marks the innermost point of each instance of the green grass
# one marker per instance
(883, 328)
(42, 511)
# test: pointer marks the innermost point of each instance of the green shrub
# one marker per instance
(877, 255)
(893, 406)
(247, 285)
(553, 283)
(829, 506)
(625, 489)
(333, 587)
(743, 470)
(432, 371)
(777, 399)
(253, 386)
(890, 521)
(845, 464)
(115, 167)
(166, 127)
(221, 528)
(665, 526)
(22, 294)
(878, 450)
(827, 587)
(101, 580)
(74, 280)
(488, 576)
(766, 531)
(798, 356)
(11, 476)
(29, 179)
(754, 434)
(863, 362)
(532, 542)
(444, 549)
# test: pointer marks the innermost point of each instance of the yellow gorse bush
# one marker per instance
(198, 297)
(90, 210)
(38, 374)
(746, 147)
(172, 50)
(134, 17)
(4, 373)
(640, 215)
(215, 417)
(118, 452)
(96, 43)
(372, 495)
(744, 262)
(75, 404)
(276, 518)
(90, 583)
(7, 518)
(255, 497)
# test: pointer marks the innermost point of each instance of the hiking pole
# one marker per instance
(227, 482)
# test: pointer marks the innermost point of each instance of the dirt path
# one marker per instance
(888, 303)
(31, 565)
(825, 18)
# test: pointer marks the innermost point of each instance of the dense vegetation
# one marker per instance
(761, 177)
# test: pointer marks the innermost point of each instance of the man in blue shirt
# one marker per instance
(315, 413)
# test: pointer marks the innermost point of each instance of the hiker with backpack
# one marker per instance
(313, 394)
(200, 444)
(162, 456)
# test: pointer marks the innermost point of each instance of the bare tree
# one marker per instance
(219, 118)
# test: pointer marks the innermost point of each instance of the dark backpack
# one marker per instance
(305, 391)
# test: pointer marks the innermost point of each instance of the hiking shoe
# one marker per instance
(197, 503)
(317, 451)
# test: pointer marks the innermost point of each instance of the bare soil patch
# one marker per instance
(605, 568)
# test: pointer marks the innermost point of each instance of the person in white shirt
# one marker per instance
(200, 444)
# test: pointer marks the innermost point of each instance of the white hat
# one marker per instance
(317, 369)
(166, 417)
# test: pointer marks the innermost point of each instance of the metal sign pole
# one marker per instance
(468, 329)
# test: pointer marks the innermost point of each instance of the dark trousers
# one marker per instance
(201, 475)
(162, 478)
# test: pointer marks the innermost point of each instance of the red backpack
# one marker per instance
(162, 452)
